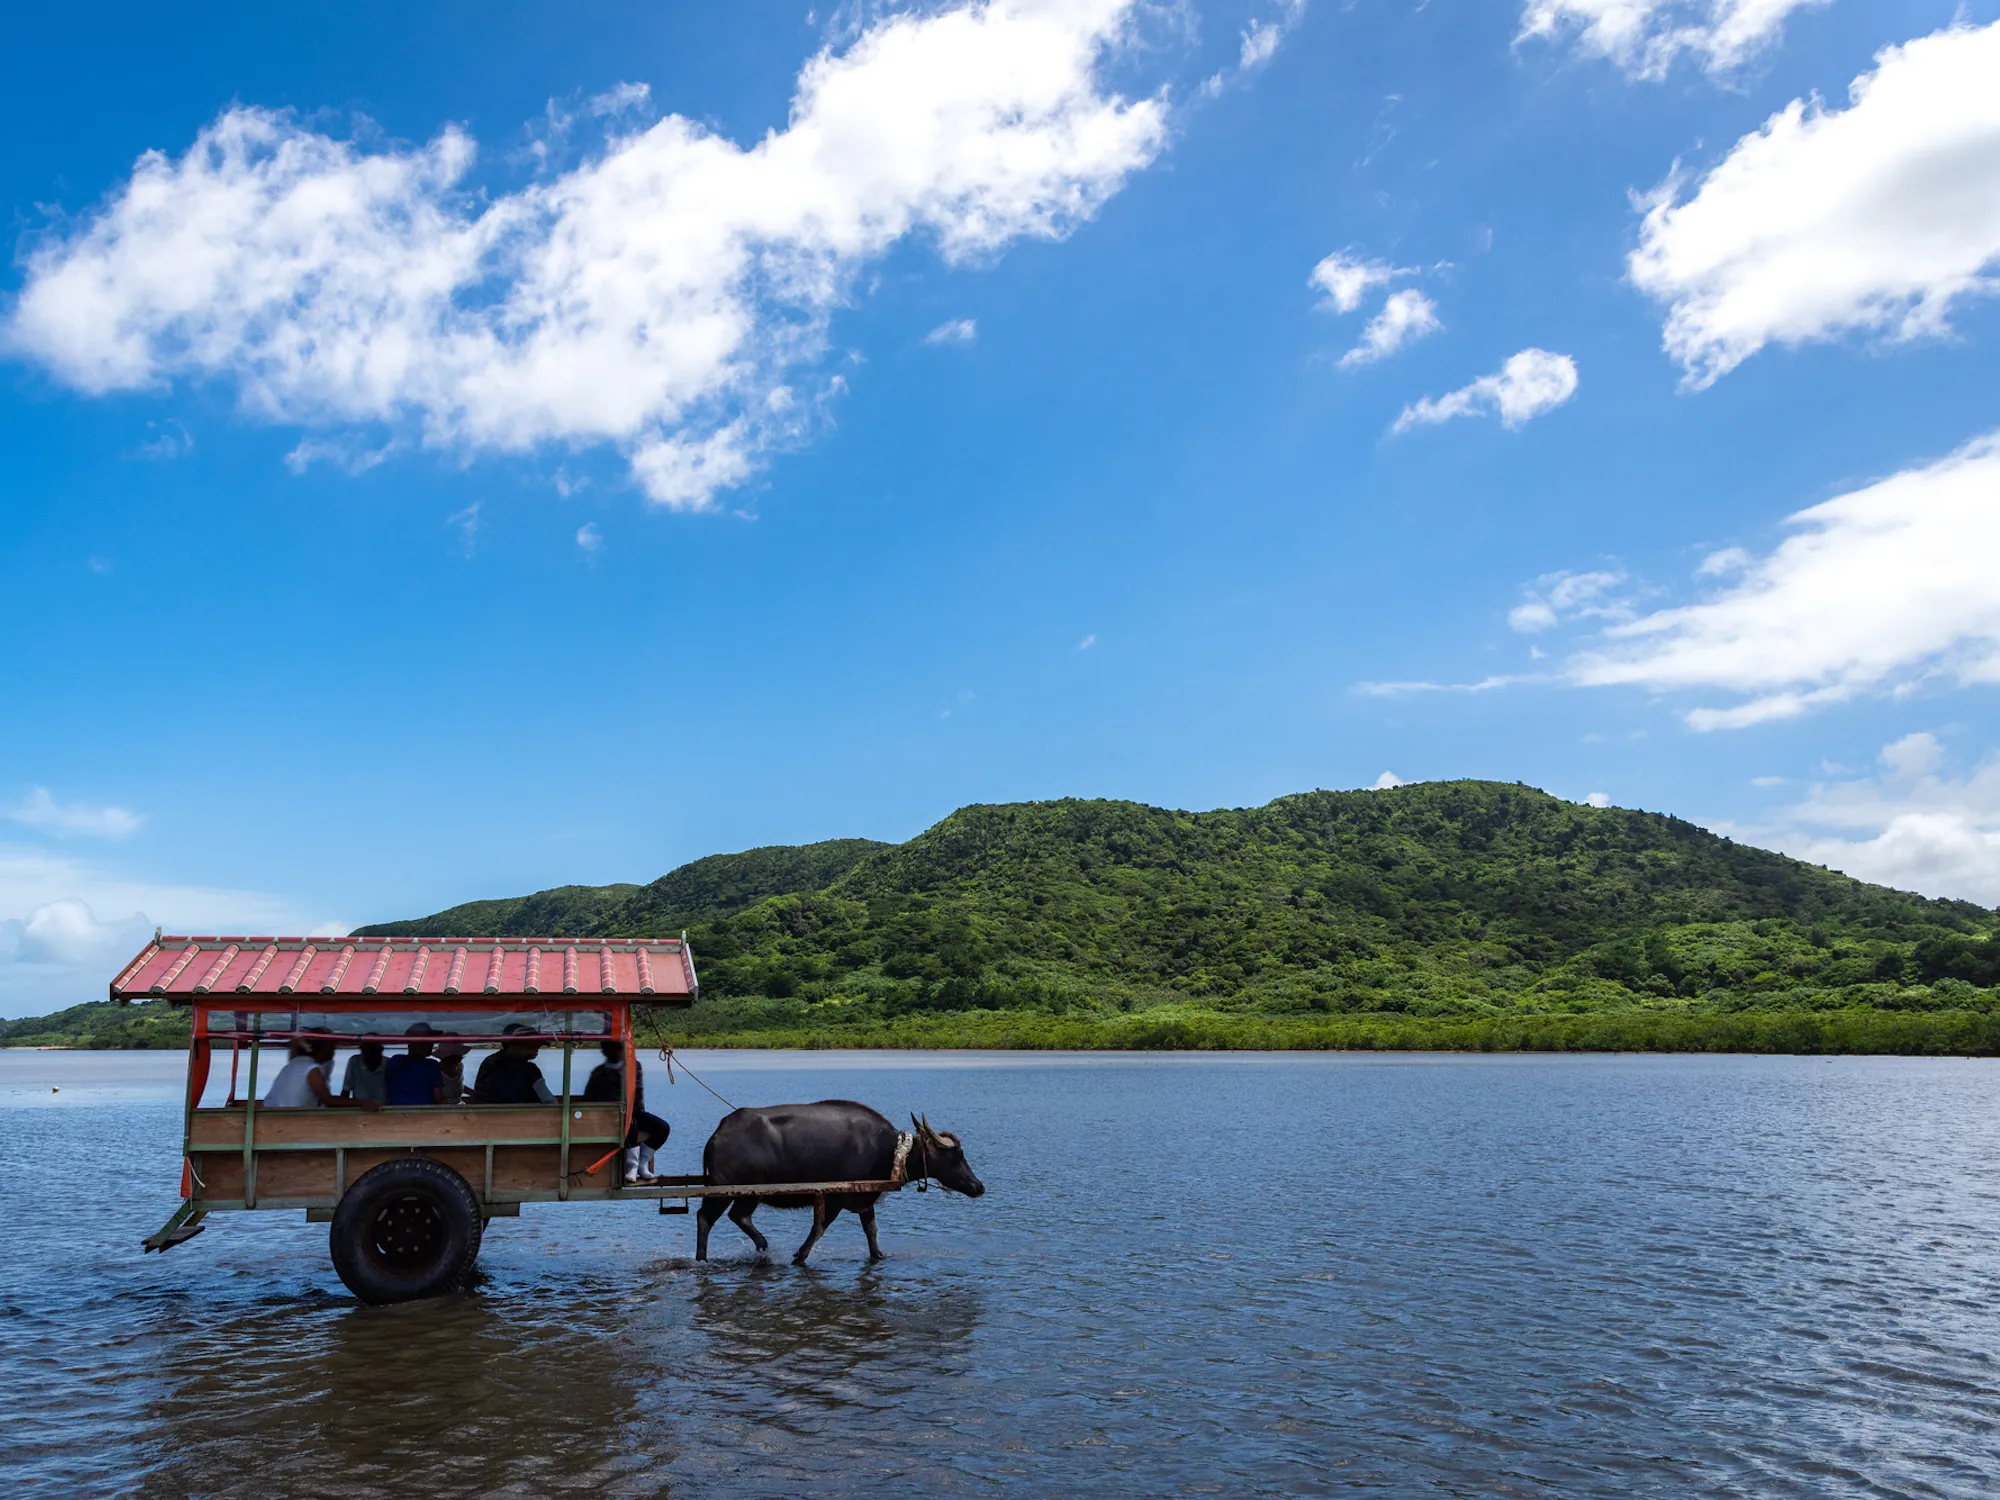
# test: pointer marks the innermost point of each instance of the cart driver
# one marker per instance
(301, 1083)
(649, 1131)
(510, 1076)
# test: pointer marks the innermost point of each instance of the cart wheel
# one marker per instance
(409, 1228)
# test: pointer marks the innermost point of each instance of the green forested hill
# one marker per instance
(707, 888)
(1440, 903)
(1460, 913)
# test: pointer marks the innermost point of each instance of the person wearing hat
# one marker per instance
(415, 1077)
(510, 1076)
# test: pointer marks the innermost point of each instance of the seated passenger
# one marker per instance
(648, 1132)
(510, 1076)
(365, 1078)
(301, 1083)
(451, 1059)
(415, 1077)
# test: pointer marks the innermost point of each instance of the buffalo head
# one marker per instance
(940, 1158)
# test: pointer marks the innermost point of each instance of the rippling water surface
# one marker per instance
(1237, 1275)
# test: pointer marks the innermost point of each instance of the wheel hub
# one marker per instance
(408, 1231)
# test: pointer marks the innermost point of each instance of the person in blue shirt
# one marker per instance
(415, 1077)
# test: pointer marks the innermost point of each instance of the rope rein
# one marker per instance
(898, 1171)
(667, 1057)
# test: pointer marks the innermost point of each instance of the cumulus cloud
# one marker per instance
(1345, 279)
(1528, 384)
(1908, 827)
(1879, 588)
(1876, 218)
(658, 297)
(1386, 781)
(67, 923)
(957, 331)
(1405, 317)
(1597, 799)
(590, 539)
(1646, 37)
(39, 809)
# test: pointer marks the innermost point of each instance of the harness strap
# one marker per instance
(904, 1140)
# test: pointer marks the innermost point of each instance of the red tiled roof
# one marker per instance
(657, 971)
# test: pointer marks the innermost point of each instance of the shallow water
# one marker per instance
(1238, 1275)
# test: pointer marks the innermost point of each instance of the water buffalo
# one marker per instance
(835, 1140)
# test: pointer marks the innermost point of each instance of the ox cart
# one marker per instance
(409, 1190)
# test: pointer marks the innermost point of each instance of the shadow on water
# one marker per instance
(597, 1386)
(467, 1394)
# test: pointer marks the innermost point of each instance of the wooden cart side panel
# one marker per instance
(312, 1174)
(462, 1125)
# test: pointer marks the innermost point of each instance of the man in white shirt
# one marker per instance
(301, 1083)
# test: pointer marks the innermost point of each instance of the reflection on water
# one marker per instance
(1247, 1276)
(318, 1396)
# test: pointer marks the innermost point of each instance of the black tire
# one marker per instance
(407, 1229)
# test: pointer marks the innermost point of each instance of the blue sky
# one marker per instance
(458, 452)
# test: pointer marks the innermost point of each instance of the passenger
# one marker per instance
(510, 1076)
(365, 1077)
(649, 1132)
(301, 1083)
(415, 1077)
(451, 1061)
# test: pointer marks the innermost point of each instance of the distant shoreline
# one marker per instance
(1850, 1030)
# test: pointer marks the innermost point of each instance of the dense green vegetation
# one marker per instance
(1458, 914)
(1451, 913)
(101, 1024)
(708, 888)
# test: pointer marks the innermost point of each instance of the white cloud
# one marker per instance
(1261, 40)
(170, 440)
(467, 522)
(1406, 689)
(1528, 384)
(1645, 37)
(1876, 218)
(354, 458)
(1086, 643)
(1728, 560)
(1881, 587)
(1561, 596)
(1597, 799)
(653, 298)
(957, 331)
(68, 932)
(1386, 781)
(66, 924)
(1909, 827)
(1405, 317)
(39, 809)
(590, 538)
(1345, 279)
(1260, 44)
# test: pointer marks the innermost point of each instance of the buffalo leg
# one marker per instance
(867, 1217)
(740, 1210)
(824, 1214)
(704, 1220)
